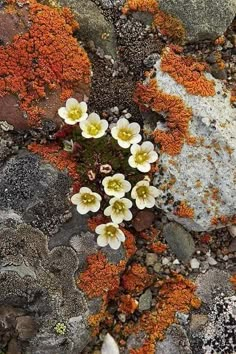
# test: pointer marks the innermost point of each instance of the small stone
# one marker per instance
(128, 115)
(176, 261)
(157, 267)
(182, 318)
(165, 261)
(115, 110)
(179, 240)
(198, 321)
(220, 74)
(232, 246)
(194, 263)
(211, 261)
(145, 301)
(151, 259)
(232, 230)
(143, 220)
(122, 317)
(225, 258)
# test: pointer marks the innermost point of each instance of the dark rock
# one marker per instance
(180, 241)
(34, 191)
(143, 220)
(202, 19)
(220, 74)
(232, 246)
(26, 327)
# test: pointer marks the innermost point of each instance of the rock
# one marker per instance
(33, 191)
(201, 19)
(232, 246)
(198, 321)
(175, 342)
(26, 327)
(218, 73)
(194, 263)
(145, 301)
(179, 240)
(157, 267)
(232, 230)
(143, 220)
(93, 25)
(201, 166)
(151, 259)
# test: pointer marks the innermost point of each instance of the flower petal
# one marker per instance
(144, 167)
(148, 146)
(114, 243)
(152, 156)
(128, 215)
(150, 202)
(63, 113)
(71, 102)
(94, 117)
(107, 211)
(136, 139)
(140, 203)
(83, 117)
(122, 123)
(120, 235)
(100, 228)
(82, 209)
(134, 149)
(132, 162)
(123, 144)
(102, 241)
(83, 106)
(95, 207)
(127, 186)
(154, 191)
(75, 199)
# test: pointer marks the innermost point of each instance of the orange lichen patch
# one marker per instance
(177, 115)
(129, 244)
(220, 40)
(223, 219)
(150, 6)
(233, 96)
(206, 238)
(96, 220)
(101, 278)
(157, 247)
(167, 24)
(184, 211)
(127, 304)
(147, 348)
(187, 72)
(61, 159)
(150, 234)
(175, 295)
(192, 140)
(233, 281)
(136, 279)
(45, 59)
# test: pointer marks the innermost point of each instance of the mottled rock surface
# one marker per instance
(202, 19)
(179, 240)
(200, 170)
(176, 342)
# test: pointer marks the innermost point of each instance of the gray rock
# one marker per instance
(202, 19)
(180, 241)
(213, 119)
(151, 259)
(175, 342)
(33, 191)
(93, 25)
(145, 301)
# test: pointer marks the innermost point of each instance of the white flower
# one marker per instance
(126, 133)
(119, 210)
(142, 156)
(73, 112)
(144, 194)
(109, 234)
(93, 127)
(116, 185)
(86, 201)
(109, 345)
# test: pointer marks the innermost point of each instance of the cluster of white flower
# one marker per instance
(127, 135)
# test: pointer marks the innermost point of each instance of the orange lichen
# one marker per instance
(187, 72)
(223, 219)
(150, 234)
(157, 247)
(220, 40)
(184, 211)
(233, 280)
(100, 278)
(127, 304)
(129, 244)
(167, 24)
(61, 159)
(177, 115)
(96, 220)
(175, 295)
(46, 58)
(150, 6)
(206, 238)
(136, 279)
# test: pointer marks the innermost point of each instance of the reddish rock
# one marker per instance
(143, 220)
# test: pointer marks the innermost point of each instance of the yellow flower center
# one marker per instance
(88, 199)
(141, 157)
(118, 207)
(115, 185)
(110, 231)
(75, 113)
(93, 128)
(142, 192)
(125, 134)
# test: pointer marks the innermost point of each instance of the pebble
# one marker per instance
(211, 260)
(151, 259)
(122, 317)
(165, 261)
(176, 261)
(143, 220)
(145, 301)
(197, 321)
(232, 246)
(157, 267)
(182, 317)
(232, 230)
(194, 263)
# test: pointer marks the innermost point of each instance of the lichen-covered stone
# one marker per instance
(176, 342)
(194, 173)
(202, 19)
(33, 191)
